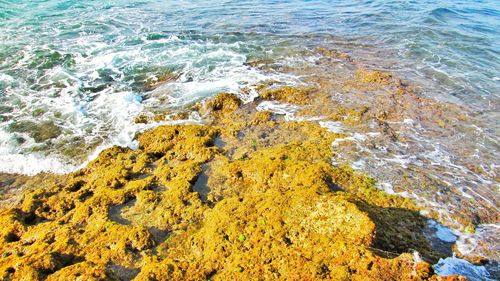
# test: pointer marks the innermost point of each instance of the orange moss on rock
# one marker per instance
(275, 208)
(375, 77)
(221, 104)
(374, 80)
(288, 94)
(159, 117)
(83, 271)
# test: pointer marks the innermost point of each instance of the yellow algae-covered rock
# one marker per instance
(83, 271)
(246, 197)
(376, 77)
(288, 94)
(61, 225)
(277, 235)
(262, 117)
(374, 80)
(179, 142)
(221, 104)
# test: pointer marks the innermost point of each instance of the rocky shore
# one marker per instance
(250, 195)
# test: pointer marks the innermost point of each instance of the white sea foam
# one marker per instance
(359, 164)
(288, 110)
(332, 126)
(30, 164)
(106, 114)
(6, 78)
(33, 164)
(386, 187)
(468, 244)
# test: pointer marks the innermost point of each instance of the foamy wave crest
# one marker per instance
(77, 98)
(33, 164)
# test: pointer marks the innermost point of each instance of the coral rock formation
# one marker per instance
(271, 207)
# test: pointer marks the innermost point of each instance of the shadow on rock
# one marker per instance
(400, 231)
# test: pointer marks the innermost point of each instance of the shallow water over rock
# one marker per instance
(409, 89)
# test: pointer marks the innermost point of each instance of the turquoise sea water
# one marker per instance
(64, 61)
(61, 60)
(73, 74)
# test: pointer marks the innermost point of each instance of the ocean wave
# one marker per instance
(91, 92)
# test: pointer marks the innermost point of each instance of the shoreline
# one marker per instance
(209, 194)
(249, 140)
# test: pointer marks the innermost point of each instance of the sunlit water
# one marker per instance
(75, 74)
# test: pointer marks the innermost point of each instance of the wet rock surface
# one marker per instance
(266, 204)
(439, 154)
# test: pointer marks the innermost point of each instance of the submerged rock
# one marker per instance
(40, 132)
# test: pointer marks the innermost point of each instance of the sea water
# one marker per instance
(75, 74)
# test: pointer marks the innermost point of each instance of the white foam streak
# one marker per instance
(288, 110)
(468, 244)
(33, 164)
(104, 114)
(332, 126)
